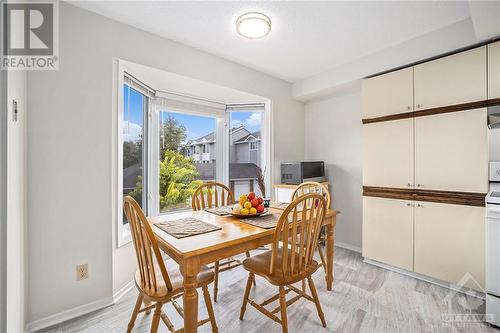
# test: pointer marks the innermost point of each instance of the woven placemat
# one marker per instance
(221, 211)
(267, 221)
(279, 205)
(186, 227)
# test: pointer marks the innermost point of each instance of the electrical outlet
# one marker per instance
(82, 272)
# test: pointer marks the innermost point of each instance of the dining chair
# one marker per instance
(211, 195)
(154, 282)
(290, 259)
(314, 187)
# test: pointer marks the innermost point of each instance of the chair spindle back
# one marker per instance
(312, 187)
(211, 195)
(148, 253)
(296, 233)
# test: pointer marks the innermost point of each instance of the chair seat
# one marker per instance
(205, 277)
(261, 265)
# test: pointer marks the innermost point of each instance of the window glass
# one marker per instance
(134, 109)
(187, 157)
(245, 155)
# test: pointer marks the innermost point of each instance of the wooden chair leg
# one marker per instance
(304, 285)
(216, 280)
(137, 307)
(247, 253)
(316, 300)
(210, 309)
(322, 256)
(284, 322)
(245, 296)
(156, 318)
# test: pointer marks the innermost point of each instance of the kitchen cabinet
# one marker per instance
(388, 154)
(451, 151)
(388, 94)
(494, 70)
(449, 243)
(455, 79)
(388, 231)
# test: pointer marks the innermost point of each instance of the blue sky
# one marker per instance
(196, 126)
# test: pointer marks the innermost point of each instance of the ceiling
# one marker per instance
(307, 38)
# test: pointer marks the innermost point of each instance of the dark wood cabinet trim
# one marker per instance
(446, 197)
(397, 116)
(433, 111)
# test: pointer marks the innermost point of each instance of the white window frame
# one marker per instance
(122, 232)
(267, 149)
(155, 172)
(250, 145)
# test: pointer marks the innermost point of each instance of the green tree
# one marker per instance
(178, 180)
(173, 135)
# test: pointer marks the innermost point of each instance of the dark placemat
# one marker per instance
(267, 221)
(221, 211)
(186, 227)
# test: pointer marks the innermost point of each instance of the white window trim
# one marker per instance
(123, 235)
(122, 232)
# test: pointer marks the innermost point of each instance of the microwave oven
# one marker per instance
(298, 172)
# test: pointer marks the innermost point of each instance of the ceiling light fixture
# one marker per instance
(253, 25)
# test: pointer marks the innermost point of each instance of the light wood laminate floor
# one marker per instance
(365, 298)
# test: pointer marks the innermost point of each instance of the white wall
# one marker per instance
(71, 144)
(333, 133)
(16, 202)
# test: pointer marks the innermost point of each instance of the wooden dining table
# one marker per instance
(234, 237)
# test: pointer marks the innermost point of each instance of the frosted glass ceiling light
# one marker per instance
(253, 25)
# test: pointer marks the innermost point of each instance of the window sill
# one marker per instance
(124, 235)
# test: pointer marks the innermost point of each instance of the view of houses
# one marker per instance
(244, 158)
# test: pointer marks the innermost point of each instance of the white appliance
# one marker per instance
(493, 246)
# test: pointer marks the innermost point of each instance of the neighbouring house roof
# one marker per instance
(210, 137)
(246, 138)
(237, 171)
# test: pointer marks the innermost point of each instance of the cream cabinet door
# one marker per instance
(494, 70)
(455, 79)
(388, 231)
(388, 94)
(451, 151)
(388, 154)
(449, 243)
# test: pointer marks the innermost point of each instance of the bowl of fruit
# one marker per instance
(249, 205)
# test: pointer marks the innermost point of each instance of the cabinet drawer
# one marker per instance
(388, 94)
(455, 79)
(388, 154)
(450, 243)
(388, 231)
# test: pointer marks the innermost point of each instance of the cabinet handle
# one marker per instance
(410, 205)
(419, 106)
(408, 108)
(418, 185)
(409, 185)
(419, 205)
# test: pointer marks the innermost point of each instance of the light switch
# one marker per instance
(14, 110)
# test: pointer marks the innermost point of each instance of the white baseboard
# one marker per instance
(68, 314)
(123, 291)
(78, 311)
(444, 284)
(348, 246)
